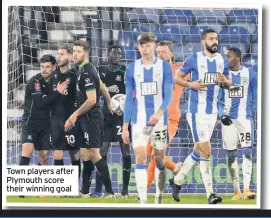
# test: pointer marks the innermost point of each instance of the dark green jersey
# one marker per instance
(88, 80)
(65, 106)
(39, 97)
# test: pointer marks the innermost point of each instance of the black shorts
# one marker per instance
(113, 128)
(40, 138)
(62, 140)
(92, 131)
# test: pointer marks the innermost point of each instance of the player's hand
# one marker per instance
(62, 86)
(226, 120)
(198, 85)
(70, 123)
(220, 78)
(125, 136)
(154, 119)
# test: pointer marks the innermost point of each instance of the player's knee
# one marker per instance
(232, 155)
(205, 150)
(27, 149)
(58, 155)
(94, 154)
(247, 153)
(141, 159)
(84, 153)
(43, 157)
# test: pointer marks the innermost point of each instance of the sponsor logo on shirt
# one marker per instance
(210, 78)
(114, 89)
(148, 88)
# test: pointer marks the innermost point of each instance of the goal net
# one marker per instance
(34, 31)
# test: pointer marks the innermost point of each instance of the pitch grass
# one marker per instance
(167, 199)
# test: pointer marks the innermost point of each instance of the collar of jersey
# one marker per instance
(155, 60)
(81, 68)
(115, 69)
(238, 71)
(207, 56)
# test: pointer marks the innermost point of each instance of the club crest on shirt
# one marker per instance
(29, 137)
(37, 87)
(220, 68)
(87, 80)
(68, 79)
(118, 78)
(244, 80)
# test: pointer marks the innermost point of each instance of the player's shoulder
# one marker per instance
(122, 68)
(72, 71)
(35, 78)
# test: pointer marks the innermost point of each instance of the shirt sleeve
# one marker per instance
(168, 82)
(187, 65)
(88, 82)
(41, 99)
(129, 86)
(254, 88)
(220, 102)
(226, 71)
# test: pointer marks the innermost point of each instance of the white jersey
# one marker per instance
(148, 86)
(240, 102)
(205, 69)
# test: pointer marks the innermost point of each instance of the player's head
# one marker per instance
(209, 40)
(234, 56)
(146, 44)
(64, 55)
(165, 51)
(81, 51)
(114, 54)
(47, 65)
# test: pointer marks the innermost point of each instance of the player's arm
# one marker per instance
(168, 82)
(185, 69)
(225, 79)
(129, 86)
(90, 88)
(220, 102)
(106, 95)
(42, 100)
(254, 88)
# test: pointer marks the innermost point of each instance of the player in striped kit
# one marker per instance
(151, 81)
(165, 52)
(235, 110)
(209, 71)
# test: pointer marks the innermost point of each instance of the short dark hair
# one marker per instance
(48, 58)
(67, 47)
(205, 32)
(82, 43)
(144, 38)
(112, 47)
(236, 51)
(167, 43)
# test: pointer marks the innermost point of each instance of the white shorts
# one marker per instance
(240, 131)
(201, 125)
(157, 135)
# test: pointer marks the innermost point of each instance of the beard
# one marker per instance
(64, 63)
(212, 49)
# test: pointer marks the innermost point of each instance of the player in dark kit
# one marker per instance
(63, 108)
(39, 96)
(112, 76)
(89, 115)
